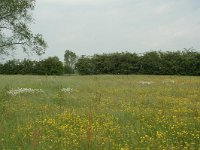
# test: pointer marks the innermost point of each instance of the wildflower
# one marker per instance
(146, 82)
(24, 91)
(159, 134)
(168, 82)
(66, 90)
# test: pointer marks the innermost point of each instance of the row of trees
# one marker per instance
(158, 63)
(49, 66)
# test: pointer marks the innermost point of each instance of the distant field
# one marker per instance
(99, 112)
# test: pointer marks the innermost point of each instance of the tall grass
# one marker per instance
(101, 112)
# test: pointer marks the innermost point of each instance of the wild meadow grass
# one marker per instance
(100, 112)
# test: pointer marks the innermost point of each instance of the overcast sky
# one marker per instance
(102, 26)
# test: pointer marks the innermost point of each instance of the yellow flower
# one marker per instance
(159, 134)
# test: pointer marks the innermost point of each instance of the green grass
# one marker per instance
(102, 112)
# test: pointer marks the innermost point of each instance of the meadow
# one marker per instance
(119, 112)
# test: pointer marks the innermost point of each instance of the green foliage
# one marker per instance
(157, 63)
(70, 60)
(10, 67)
(85, 66)
(49, 66)
(52, 66)
(116, 63)
(27, 66)
(185, 62)
(68, 69)
(15, 18)
(150, 63)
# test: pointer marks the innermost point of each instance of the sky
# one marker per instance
(90, 27)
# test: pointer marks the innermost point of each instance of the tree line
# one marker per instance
(154, 63)
(49, 66)
(185, 62)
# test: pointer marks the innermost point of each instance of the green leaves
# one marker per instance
(158, 63)
(49, 66)
(15, 17)
(70, 60)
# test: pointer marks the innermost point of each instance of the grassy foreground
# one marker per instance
(101, 112)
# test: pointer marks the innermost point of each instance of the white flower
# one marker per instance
(168, 82)
(18, 91)
(66, 90)
(146, 82)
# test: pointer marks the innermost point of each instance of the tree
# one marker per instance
(10, 67)
(52, 66)
(27, 67)
(70, 60)
(150, 63)
(85, 65)
(15, 18)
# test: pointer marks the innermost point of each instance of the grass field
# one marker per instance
(100, 112)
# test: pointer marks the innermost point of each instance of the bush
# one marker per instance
(49, 66)
(156, 63)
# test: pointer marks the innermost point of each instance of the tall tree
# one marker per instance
(70, 60)
(15, 18)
